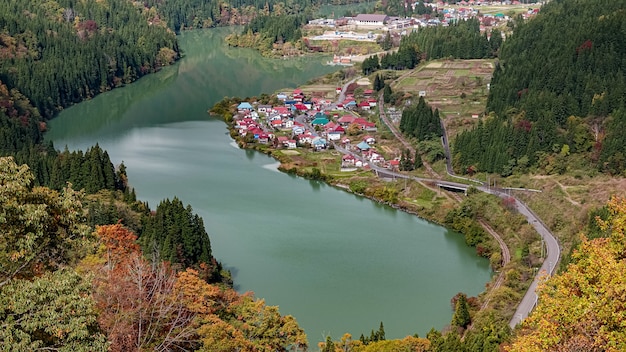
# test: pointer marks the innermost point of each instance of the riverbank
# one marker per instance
(302, 138)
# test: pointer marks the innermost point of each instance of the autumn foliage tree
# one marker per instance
(584, 308)
(41, 228)
(148, 305)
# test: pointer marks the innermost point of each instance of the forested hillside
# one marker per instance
(188, 14)
(557, 95)
(65, 286)
(462, 40)
(264, 31)
(583, 308)
(58, 53)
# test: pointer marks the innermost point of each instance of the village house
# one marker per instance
(369, 139)
(364, 105)
(266, 109)
(263, 138)
(276, 124)
(319, 143)
(346, 120)
(305, 137)
(282, 141)
(348, 160)
(363, 147)
(365, 125)
(283, 111)
(244, 107)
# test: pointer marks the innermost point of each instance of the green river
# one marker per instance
(337, 262)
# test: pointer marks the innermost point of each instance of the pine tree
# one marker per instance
(461, 317)
(387, 93)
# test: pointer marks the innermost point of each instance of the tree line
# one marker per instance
(190, 14)
(459, 40)
(265, 31)
(556, 92)
(407, 57)
(421, 121)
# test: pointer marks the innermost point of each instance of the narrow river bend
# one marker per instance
(337, 262)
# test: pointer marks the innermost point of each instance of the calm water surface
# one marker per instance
(337, 262)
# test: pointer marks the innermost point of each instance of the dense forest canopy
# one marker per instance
(264, 31)
(66, 286)
(60, 53)
(557, 90)
(460, 40)
(187, 14)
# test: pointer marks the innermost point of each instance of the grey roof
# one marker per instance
(371, 18)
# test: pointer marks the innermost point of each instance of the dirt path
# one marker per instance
(506, 258)
(567, 195)
(400, 137)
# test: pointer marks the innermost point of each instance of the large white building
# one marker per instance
(370, 20)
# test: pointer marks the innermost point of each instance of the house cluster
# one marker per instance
(460, 12)
(368, 152)
(302, 123)
(367, 21)
(451, 14)
(350, 103)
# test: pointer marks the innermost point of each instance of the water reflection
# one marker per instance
(250, 154)
(315, 185)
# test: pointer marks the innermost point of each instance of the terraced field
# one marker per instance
(458, 88)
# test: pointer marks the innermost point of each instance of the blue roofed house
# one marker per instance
(244, 107)
(319, 121)
(319, 143)
(363, 146)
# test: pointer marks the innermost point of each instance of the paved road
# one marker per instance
(552, 246)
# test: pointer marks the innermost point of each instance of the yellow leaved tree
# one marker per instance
(584, 308)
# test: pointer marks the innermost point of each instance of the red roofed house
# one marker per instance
(282, 140)
(346, 120)
(277, 124)
(347, 160)
(282, 110)
(365, 125)
(301, 107)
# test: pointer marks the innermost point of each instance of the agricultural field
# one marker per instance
(458, 88)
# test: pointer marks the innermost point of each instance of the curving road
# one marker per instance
(553, 249)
